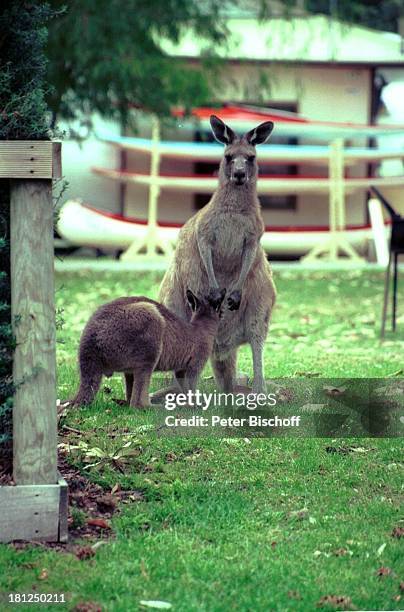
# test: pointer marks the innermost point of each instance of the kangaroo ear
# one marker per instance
(221, 131)
(259, 134)
(192, 300)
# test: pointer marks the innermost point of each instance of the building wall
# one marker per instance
(79, 157)
(393, 113)
(323, 93)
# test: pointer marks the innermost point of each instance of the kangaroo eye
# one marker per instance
(251, 158)
(228, 158)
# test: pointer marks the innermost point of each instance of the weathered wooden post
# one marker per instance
(36, 508)
(33, 314)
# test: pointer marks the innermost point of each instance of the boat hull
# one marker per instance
(266, 185)
(84, 225)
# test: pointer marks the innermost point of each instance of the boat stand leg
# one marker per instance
(394, 292)
(328, 251)
(386, 297)
(148, 247)
(344, 245)
(317, 252)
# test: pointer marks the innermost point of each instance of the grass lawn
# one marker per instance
(274, 524)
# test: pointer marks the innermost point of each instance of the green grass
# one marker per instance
(235, 524)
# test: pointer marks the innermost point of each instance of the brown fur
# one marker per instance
(227, 232)
(138, 336)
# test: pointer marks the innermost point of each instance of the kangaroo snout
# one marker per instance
(239, 171)
(239, 177)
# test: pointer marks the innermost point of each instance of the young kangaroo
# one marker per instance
(220, 247)
(137, 336)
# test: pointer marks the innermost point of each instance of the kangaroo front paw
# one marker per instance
(215, 297)
(234, 300)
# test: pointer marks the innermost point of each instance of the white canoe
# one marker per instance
(275, 154)
(84, 225)
(271, 185)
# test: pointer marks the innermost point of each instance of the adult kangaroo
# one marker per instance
(220, 247)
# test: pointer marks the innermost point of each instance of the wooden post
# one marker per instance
(36, 507)
(33, 315)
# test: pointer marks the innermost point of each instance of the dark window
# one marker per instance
(275, 202)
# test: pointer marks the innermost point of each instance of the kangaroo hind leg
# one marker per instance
(129, 380)
(140, 391)
(225, 371)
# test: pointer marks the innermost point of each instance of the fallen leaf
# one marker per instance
(383, 571)
(398, 532)
(157, 605)
(344, 450)
(43, 575)
(84, 552)
(87, 606)
(336, 601)
(294, 595)
(136, 496)
(284, 394)
(107, 503)
(300, 514)
(98, 522)
(341, 552)
(97, 545)
(306, 374)
(334, 391)
(381, 549)
(170, 457)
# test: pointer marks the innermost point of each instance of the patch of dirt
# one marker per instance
(398, 532)
(341, 552)
(346, 450)
(294, 595)
(87, 606)
(338, 602)
(90, 510)
(6, 471)
(93, 506)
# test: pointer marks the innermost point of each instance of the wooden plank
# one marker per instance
(29, 512)
(33, 315)
(30, 159)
